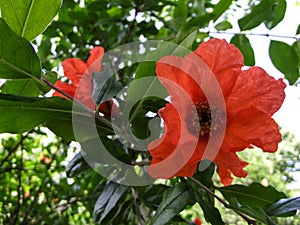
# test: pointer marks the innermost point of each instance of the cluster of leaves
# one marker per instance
(23, 107)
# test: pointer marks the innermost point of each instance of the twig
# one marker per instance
(249, 221)
(251, 34)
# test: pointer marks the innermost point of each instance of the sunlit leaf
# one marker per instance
(28, 18)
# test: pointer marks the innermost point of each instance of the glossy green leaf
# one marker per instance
(28, 18)
(254, 195)
(256, 16)
(24, 87)
(20, 114)
(108, 200)
(275, 14)
(223, 25)
(77, 165)
(285, 59)
(63, 126)
(244, 45)
(284, 207)
(17, 57)
(104, 87)
(174, 200)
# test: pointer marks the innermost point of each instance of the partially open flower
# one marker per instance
(79, 74)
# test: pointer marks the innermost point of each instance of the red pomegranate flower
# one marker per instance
(79, 73)
(198, 221)
(251, 97)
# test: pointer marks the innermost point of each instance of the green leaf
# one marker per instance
(62, 127)
(256, 16)
(285, 59)
(174, 200)
(180, 13)
(104, 87)
(153, 195)
(255, 195)
(77, 165)
(186, 36)
(243, 44)
(284, 207)
(17, 57)
(298, 30)
(20, 114)
(223, 25)
(28, 18)
(296, 47)
(256, 213)
(211, 213)
(205, 172)
(108, 200)
(24, 87)
(220, 8)
(275, 14)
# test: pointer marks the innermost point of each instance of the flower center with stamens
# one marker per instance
(201, 119)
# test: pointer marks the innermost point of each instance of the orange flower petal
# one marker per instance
(94, 61)
(254, 87)
(228, 163)
(251, 126)
(65, 87)
(224, 59)
(74, 69)
(171, 71)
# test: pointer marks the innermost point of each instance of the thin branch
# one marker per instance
(138, 211)
(249, 221)
(251, 34)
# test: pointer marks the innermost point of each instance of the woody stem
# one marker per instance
(249, 221)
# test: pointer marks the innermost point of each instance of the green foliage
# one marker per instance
(29, 18)
(279, 50)
(242, 42)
